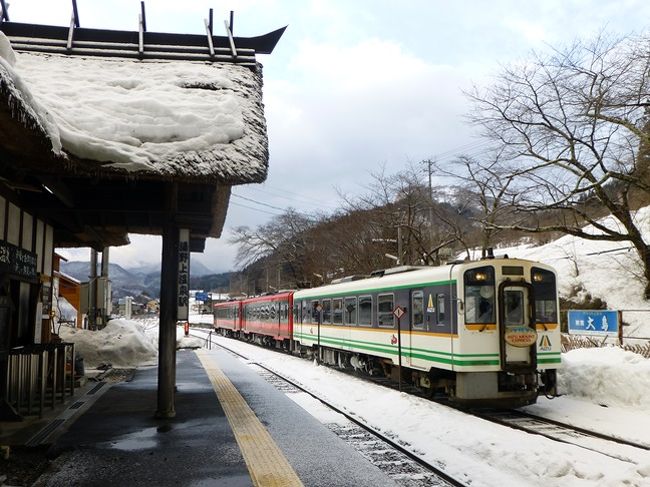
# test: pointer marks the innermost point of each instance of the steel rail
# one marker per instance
(509, 418)
(412, 456)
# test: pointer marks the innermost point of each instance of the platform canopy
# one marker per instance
(105, 133)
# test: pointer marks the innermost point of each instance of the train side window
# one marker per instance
(327, 310)
(350, 311)
(365, 310)
(307, 311)
(385, 317)
(417, 309)
(440, 309)
(337, 311)
(314, 312)
(272, 312)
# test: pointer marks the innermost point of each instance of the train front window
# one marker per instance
(545, 295)
(514, 307)
(479, 295)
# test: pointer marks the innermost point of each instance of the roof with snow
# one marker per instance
(92, 115)
(163, 118)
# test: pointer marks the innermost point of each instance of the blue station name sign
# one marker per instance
(593, 322)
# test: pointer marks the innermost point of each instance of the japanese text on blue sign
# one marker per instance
(593, 322)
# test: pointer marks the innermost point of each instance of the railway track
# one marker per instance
(394, 459)
(610, 446)
(617, 448)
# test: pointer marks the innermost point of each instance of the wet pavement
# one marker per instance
(119, 442)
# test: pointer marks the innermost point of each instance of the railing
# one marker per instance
(38, 377)
(571, 342)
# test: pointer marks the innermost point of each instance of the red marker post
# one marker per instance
(186, 328)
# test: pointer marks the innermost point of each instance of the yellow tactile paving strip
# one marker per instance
(266, 463)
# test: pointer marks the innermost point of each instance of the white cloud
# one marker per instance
(531, 31)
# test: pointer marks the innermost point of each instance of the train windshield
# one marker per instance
(514, 307)
(479, 295)
(545, 295)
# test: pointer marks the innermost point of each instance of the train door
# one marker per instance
(416, 321)
(279, 307)
(517, 333)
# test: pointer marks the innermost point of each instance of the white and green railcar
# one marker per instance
(484, 332)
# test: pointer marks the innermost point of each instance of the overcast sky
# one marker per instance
(352, 85)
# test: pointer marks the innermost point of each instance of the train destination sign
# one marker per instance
(520, 336)
(593, 322)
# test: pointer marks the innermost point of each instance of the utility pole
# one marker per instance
(399, 245)
(430, 163)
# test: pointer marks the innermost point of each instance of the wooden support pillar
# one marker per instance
(92, 291)
(168, 314)
(167, 331)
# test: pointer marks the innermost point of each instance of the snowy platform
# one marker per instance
(119, 438)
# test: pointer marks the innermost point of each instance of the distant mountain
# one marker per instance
(211, 282)
(197, 269)
(145, 279)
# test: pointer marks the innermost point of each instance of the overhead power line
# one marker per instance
(255, 209)
(258, 202)
(281, 193)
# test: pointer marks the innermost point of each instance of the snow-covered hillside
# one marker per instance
(610, 271)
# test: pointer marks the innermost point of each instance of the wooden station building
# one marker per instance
(105, 133)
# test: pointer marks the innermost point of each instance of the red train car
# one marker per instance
(268, 319)
(227, 317)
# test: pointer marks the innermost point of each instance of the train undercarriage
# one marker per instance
(470, 389)
(485, 389)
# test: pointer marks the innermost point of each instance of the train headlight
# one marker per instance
(538, 277)
(480, 276)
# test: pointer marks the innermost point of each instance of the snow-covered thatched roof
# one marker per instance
(180, 120)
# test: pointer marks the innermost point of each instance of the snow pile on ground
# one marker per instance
(183, 341)
(122, 343)
(608, 376)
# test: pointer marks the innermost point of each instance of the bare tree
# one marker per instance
(281, 242)
(400, 205)
(483, 187)
(570, 126)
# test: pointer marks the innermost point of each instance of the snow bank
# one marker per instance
(189, 342)
(122, 343)
(609, 376)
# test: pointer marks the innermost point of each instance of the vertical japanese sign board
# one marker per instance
(183, 275)
(593, 322)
